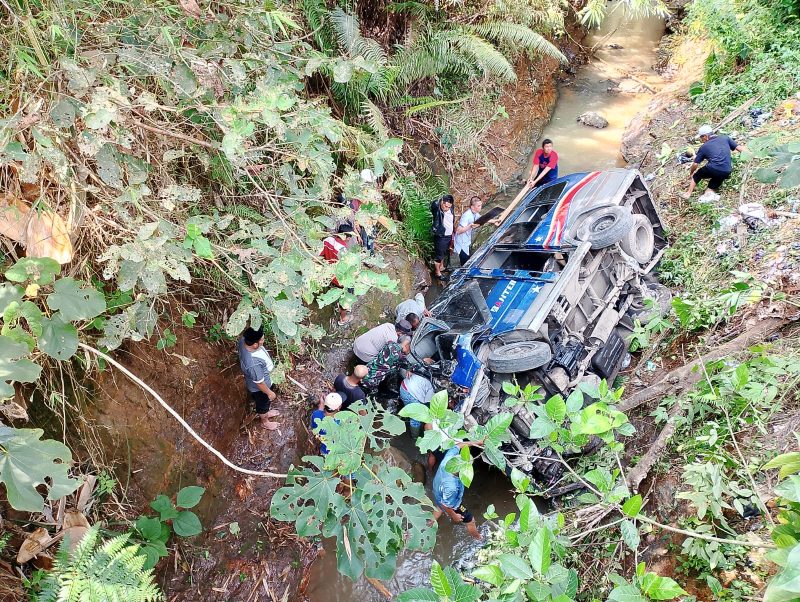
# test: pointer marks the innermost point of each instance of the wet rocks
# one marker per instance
(593, 119)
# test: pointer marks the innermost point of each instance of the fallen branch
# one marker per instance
(183, 423)
(688, 375)
(704, 537)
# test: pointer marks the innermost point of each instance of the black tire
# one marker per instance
(519, 357)
(605, 227)
(640, 241)
(577, 220)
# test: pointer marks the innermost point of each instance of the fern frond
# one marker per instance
(317, 16)
(374, 118)
(482, 54)
(416, 9)
(348, 34)
(513, 35)
(111, 572)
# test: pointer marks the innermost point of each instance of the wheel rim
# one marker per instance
(603, 223)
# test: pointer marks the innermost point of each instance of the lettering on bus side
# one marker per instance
(503, 296)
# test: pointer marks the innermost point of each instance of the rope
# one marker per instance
(183, 423)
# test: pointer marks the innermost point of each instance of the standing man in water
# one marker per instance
(463, 238)
(256, 364)
(448, 493)
(442, 212)
(545, 165)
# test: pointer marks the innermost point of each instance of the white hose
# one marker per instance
(184, 424)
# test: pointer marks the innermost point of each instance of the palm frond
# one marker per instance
(514, 35)
(416, 9)
(426, 103)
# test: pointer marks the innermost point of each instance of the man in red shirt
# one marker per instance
(331, 247)
(545, 165)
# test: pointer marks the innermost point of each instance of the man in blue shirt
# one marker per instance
(716, 151)
(448, 493)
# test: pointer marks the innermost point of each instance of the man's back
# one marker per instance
(367, 346)
(717, 151)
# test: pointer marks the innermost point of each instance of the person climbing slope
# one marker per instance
(716, 152)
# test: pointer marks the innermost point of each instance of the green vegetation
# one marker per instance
(97, 571)
(755, 51)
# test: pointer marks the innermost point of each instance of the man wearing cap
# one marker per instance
(368, 345)
(348, 386)
(329, 406)
(716, 151)
(256, 364)
(448, 494)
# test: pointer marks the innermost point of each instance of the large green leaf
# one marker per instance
(9, 293)
(656, 587)
(632, 506)
(189, 497)
(515, 566)
(59, 339)
(791, 177)
(418, 594)
(309, 498)
(166, 510)
(497, 428)
(630, 534)
(490, 573)
(27, 462)
(39, 270)
(626, 593)
(186, 524)
(788, 463)
(539, 551)
(14, 367)
(345, 439)
(439, 581)
(75, 302)
(789, 489)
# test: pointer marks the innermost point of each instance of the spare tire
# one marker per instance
(605, 227)
(661, 306)
(639, 242)
(519, 357)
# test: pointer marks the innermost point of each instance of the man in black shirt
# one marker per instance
(716, 151)
(349, 386)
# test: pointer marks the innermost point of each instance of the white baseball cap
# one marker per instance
(705, 130)
(367, 176)
(333, 401)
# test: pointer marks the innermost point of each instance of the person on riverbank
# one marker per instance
(545, 165)
(349, 386)
(332, 247)
(448, 494)
(414, 306)
(716, 152)
(463, 238)
(368, 345)
(415, 389)
(328, 406)
(256, 365)
(442, 229)
(389, 361)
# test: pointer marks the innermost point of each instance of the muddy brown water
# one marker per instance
(626, 46)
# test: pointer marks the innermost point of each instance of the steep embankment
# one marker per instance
(734, 278)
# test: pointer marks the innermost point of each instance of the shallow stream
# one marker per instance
(624, 47)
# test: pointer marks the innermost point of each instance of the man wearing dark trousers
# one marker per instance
(256, 364)
(716, 151)
(443, 218)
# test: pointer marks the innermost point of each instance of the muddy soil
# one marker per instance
(242, 554)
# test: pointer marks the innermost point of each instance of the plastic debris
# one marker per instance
(728, 223)
(754, 211)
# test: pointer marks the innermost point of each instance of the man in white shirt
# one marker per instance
(463, 238)
(415, 389)
(368, 345)
(412, 307)
(442, 230)
(256, 364)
